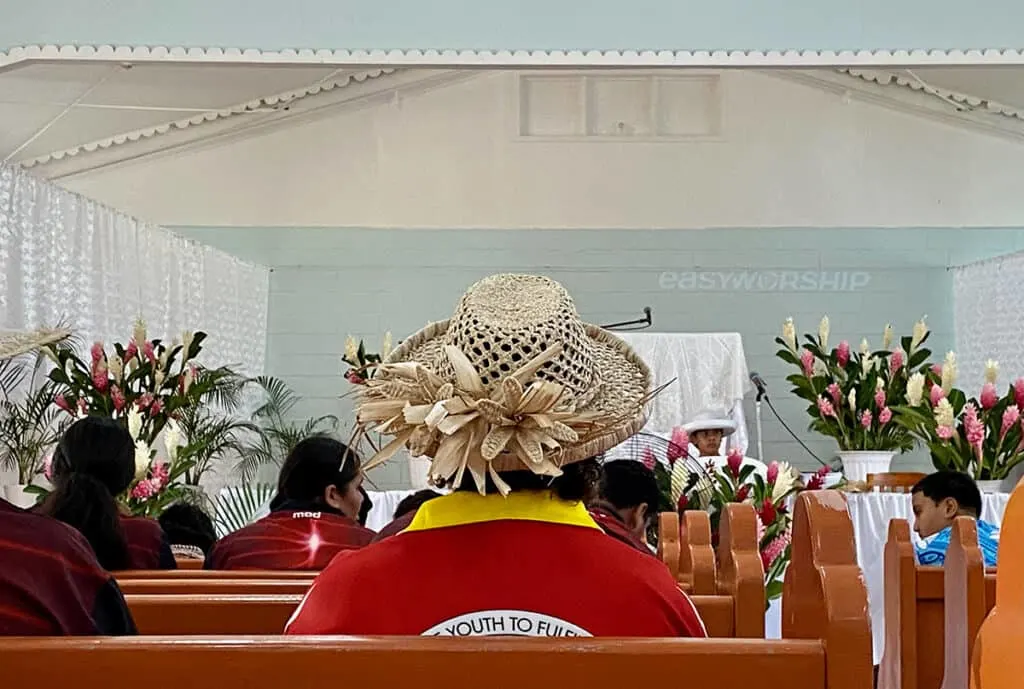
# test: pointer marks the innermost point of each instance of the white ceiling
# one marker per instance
(100, 113)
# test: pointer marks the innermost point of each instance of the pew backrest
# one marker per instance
(196, 574)
(204, 615)
(225, 586)
(966, 601)
(740, 571)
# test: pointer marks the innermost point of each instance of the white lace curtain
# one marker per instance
(64, 258)
(989, 318)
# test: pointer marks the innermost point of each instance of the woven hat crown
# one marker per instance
(505, 320)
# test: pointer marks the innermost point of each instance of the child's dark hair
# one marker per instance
(951, 484)
(578, 482)
(94, 463)
(364, 507)
(411, 503)
(626, 484)
(187, 524)
(312, 466)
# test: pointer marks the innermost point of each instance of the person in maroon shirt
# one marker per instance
(93, 463)
(627, 502)
(312, 518)
(405, 513)
(51, 583)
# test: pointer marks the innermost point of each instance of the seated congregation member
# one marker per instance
(51, 583)
(189, 530)
(93, 464)
(940, 498)
(512, 399)
(627, 503)
(312, 518)
(405, 512)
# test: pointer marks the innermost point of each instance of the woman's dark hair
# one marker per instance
(94, 463)
(364, 507)
(578, 482)
(627, 483)
(186, 524)
(313, 465)
(411, 503)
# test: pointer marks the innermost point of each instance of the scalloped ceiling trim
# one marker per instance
(211, 116)
(974, 103)
(428, 57)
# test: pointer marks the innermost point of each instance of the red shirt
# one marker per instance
(148, 547)
(611, 523)
(395, 527)
(470, 565)
(289, 540)
(50, 582)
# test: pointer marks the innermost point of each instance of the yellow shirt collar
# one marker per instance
(464, 507)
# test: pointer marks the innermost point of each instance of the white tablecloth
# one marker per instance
(710, 370)
(871, 513)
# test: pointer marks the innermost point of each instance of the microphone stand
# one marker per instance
(757, 423)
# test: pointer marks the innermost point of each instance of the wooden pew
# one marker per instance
(188, 563)
(211, 614)
(225, 586)
(915, 617)
(969, 595)
(686, 549)
(406, 663)
(199, 574)
(995, 659)
(824, 610)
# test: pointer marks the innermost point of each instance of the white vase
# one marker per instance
(857, 464)
(419, 468)
(990, 486)
(17, 496)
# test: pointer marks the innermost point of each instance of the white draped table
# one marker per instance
(710, 370)
(870, 513)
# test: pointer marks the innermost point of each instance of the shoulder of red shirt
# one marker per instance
(395, 527)
(613, 525)
(148, 546)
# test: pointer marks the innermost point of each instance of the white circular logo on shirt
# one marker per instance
(505, 623)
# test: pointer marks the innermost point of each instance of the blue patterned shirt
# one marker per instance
(934, 550)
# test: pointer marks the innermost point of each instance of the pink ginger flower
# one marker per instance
(937, 369)
(776, 549)
(807, 361)
(936, 395)
(350, 375)
(884, 416)
(1018, 393)
(131, 351)
(989, 396)
(148, 350)
(974, 430)
(835, 393)
(61, 401)
(773, 473)
(161, 475)
(743, 492)
(83, 407)
(97, 352)
(680, 445)
(896, 361)
(880, 398)
(144, 401)
(143, 490)
(843, 354)
(156, 408)
(944, 432)
(825, 408)
(48, 467)
(866, 418)
(760, 528)
(734, 461)
(1010, 417)
(649, 460)
(118, 398)
(100, 379)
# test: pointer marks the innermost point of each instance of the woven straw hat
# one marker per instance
(513, 381)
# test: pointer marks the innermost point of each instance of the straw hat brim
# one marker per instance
(727, 426)
(624, 387)
(14, 344)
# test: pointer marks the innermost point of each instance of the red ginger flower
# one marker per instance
(649, 460)
(743, 492)
(735, 462)
(768, 512)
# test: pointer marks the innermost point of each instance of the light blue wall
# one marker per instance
(524, 24)
(327, 283)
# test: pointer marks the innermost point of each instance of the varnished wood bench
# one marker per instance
(915, 621)
(200, 574)
(995, 658)
(418, 663)
(970, 595)
(223, 586)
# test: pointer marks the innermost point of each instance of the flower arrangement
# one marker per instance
(146, 384)
(363, 363)
(983, 435)
(736, 482)
(852, 394)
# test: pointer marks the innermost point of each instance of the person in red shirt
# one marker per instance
(51, 583)
(93, 463)
(627, 502)
(405, 512)
(511, 398)
(312, 519)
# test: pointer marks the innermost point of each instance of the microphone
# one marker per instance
(760, 384)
